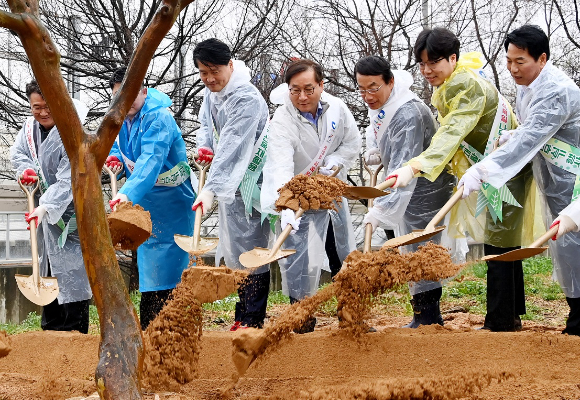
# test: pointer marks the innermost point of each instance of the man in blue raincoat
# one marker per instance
(152, 151)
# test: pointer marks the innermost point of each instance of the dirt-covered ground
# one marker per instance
(456, 361)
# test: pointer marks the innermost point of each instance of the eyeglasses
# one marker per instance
(308, 91)
(38, 109)
(430, 64)
(370, 91)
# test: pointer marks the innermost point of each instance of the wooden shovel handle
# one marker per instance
(33, 238)
(113, 177)
(386, 184)
(285, 233)
(545, 237)
(446, 208)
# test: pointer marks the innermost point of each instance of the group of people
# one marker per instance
(477, 143)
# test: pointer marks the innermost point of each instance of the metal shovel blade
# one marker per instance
(261, 256)
(516, 255)
(413, 237)
(43, 293)
(363, 192)
(204, 245)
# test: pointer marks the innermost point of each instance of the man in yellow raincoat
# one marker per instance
(472, 115)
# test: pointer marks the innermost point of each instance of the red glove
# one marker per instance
(28, 177)
(557, 222)
(204, 155)
(112, 162)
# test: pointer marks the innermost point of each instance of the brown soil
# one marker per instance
(4, 344)
(310, 193)
(172, 340)
(431, 362)
(129, 225)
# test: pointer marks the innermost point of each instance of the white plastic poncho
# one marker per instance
(410, 127)
(66, 263)
(548, 108)
(293, 144)
(239, 113)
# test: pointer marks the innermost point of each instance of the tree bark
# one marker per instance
(118, 374)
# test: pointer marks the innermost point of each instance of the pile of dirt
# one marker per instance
(310, 193)
(129, 225)
(365, 276)
(171, 341)
(4, 344)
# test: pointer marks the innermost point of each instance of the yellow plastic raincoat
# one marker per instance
(467, 105)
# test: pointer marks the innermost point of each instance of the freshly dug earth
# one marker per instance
(431, 362)
(129, 225)
(4, 344)
(361, 279)
(310, 193)
(172, 340)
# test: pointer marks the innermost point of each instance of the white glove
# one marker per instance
(404, 176)
(565, 225)
(287, 218)
(119, 198)
(329, 168)
(373, 156)
(504, 137)
(205, 198)
(471, 181)
(371, 219)
(38, 213)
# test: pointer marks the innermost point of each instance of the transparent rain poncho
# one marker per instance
(547, 108)
(293, 144)
(153, 142)
(239, 114)
(66, 263)
(467, 105)
(407, 134)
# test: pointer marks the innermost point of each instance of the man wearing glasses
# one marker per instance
(472, 115)
(401, 127)
(310, 131)
(39, 155)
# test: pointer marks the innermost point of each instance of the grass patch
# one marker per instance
(30, 324)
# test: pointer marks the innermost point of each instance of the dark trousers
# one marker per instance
(253, 293)
(66, 317)
(331, 253)
(573, 321)
(506, 299)
(151, 305)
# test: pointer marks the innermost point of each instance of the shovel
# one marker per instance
(368, 192)
(369, 227)
(519, 254)
(260, 256)
(196, 244)
(37, 289)
(431, 229)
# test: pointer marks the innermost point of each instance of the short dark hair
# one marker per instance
(32, 87)
(374, 65)
(117, 76)
(439, 42)
(302, 65)
(211, 51)
(531, 38)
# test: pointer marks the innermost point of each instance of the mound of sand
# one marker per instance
(310, 193)
(4, 344)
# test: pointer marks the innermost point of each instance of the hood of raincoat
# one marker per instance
(240, 76)
(403, 81)
(155, 100)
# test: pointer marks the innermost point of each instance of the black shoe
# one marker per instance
(427, 314)
(307, 326)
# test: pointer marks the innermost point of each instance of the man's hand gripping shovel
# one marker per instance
(196, 244)
(37, 289)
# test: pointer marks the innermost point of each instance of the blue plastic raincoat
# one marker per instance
(153, 142)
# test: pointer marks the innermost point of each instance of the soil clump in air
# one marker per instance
(363, 277)
(172, 340)
(311, 193)
(4, 344)
(129, 225)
